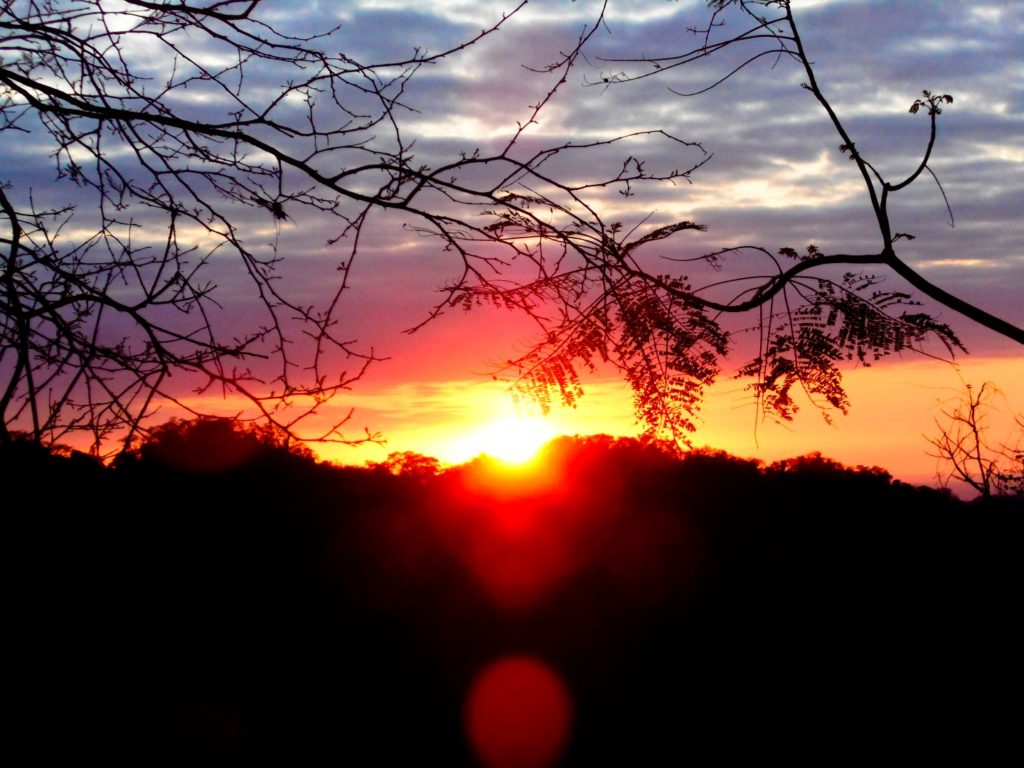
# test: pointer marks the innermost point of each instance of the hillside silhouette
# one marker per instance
(219, 598)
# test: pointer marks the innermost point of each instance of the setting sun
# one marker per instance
(509, 439)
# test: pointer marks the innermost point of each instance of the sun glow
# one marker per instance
(513, 440)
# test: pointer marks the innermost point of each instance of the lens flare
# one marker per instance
(518, 714)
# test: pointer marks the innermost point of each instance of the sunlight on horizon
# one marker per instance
(512, 439)
(894, 407)
(895, 404)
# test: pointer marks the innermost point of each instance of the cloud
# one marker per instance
(776, 177)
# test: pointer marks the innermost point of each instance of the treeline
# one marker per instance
(219, 598)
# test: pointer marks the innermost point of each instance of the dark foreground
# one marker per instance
(696, 611)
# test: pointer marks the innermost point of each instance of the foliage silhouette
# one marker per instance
(409, 463)
(288, 611)
(666, 331)
(210, 444)
(966, 453)
(176, 149)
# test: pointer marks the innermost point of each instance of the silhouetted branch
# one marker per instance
(611, 306)
(105, 307)
(965, 453)
(98, 327)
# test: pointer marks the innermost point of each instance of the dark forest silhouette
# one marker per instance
(277, 611)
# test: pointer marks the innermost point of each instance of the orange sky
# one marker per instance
(894, 405)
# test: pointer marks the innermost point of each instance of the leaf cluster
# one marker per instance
(846, 321)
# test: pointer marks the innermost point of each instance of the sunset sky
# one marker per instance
(775, 179)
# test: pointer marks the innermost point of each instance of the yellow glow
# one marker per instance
(510, 439)
(895, 406)
(927, 263)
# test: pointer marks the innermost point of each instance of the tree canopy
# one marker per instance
(282, 611)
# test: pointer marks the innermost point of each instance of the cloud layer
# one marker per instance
(776, 177)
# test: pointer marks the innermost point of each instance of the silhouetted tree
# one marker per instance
(663, 330)
(966, 453)
(210, 444)
(409, 464)
(175, 119)
(291, 612)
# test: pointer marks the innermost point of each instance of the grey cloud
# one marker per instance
(872, 57)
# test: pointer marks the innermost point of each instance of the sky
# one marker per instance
(775, 178)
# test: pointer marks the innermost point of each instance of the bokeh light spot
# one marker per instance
(518, 714)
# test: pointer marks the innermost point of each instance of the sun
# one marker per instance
(514, 440)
